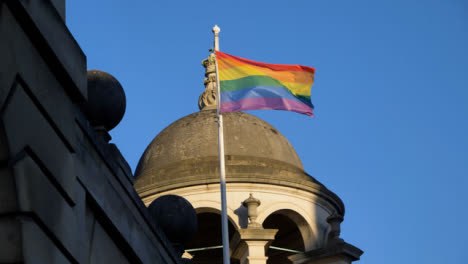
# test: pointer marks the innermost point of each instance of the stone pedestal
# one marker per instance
(254, 242)
(256, 252)
(336, 253)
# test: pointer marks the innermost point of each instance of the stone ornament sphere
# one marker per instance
(176, 217)
(106, 100)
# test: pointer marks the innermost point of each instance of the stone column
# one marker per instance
(255, 242)
(254, 239)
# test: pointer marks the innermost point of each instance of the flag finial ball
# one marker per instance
(216, 30)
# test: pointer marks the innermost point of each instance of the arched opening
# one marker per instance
(205, 245)
(288, 240)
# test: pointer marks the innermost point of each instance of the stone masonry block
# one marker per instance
(38, 248)
(60, 7)
(80, 210)
(7, 184)
(118, 206)
(26, 128)
(7, 192)
(103, 249)
(21, 60)
(10, 240)
(36, 194)
(55, 39)
(88, 232)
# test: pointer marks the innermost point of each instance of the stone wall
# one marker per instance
(66, 195)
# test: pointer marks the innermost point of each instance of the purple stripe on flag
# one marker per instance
(275, 103)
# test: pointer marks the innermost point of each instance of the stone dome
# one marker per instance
(186, 153)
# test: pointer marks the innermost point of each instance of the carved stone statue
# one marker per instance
(207, 100)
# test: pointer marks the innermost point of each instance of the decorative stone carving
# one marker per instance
(337, 251)
(207, 99)
(252, 204)
(335, 225)
(106, 100)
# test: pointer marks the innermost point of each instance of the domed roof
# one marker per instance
(186, 152)
(196, 136)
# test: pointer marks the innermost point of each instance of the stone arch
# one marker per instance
(298, 216)
(294, 233)
(215, 207)
(207, 241)
(216, 211)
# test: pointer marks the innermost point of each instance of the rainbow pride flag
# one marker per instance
(251, 85)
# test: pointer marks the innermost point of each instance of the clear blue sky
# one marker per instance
(390, 135)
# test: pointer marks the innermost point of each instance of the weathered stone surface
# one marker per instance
(36, 194)
(4, 151)
(53, 38)
(21, 114)
(91, 154)
(207, 100)
(8, 196)
(306, 210)
(47, 213)
(60, 7)
(118, 203)
(103, 249)
(124, 168)
(21, 62)
(339, 253)
(98, 148)
(11, 250)
(204, 171)
(258, 234)
(124, 216)
(254, 242)
(186, 154)
(38, 247)
(80, 209)
(106, 100)
(196, 136)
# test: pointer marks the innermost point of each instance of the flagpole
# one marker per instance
(222, 167)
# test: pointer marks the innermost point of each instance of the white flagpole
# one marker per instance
(222, 169)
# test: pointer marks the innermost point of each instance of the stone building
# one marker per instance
(67, 195)
(277, 212)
